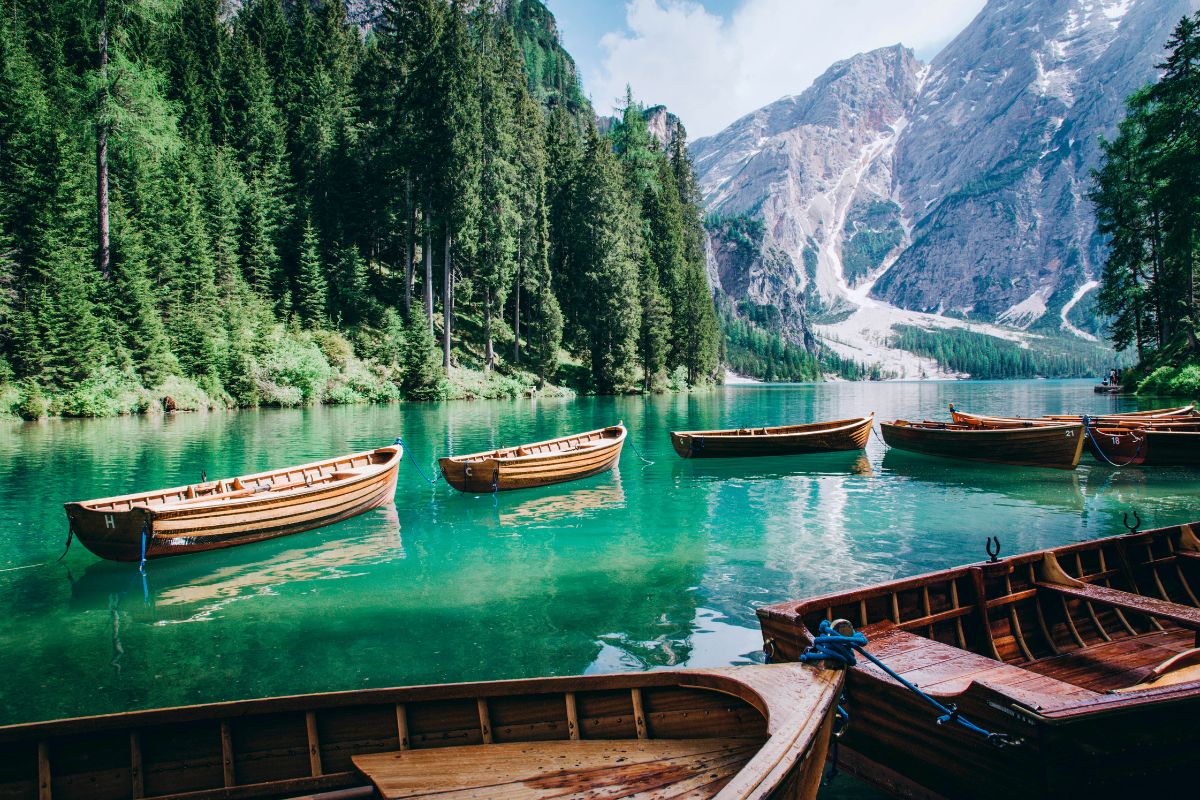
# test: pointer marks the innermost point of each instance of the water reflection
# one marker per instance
(853, 462)
(1027, 485)
(190, 589)
(573, 504)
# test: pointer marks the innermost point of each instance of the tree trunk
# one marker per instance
(410, 244)
(427, 254)
(489, 352)
(447, 306)
(102, 144)
(517, 311)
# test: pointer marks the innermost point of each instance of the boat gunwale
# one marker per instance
(723, 680)
(486, 456)
(185, 508)
(839, 426)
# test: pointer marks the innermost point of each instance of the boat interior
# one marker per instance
(565, 444)
(1114, 615)
(620, 736)
(308, 475)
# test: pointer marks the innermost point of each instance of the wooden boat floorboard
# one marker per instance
(633, 769)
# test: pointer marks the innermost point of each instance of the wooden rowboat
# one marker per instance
(1033, 445)
(1084, 656)
(733, 733)
(1174, 417)
(566, 458)
(225, 513)
(1156, 446)
(785, 440)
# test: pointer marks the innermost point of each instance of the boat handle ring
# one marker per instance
(769, 649)
(993, 549)
(1137, 521)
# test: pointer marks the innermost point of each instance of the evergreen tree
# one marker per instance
(455, 156)
(601, 260)
(422, 374)
(312, 293)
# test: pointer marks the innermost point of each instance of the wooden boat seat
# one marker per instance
(637, 769)
(947, 670)
(1184, 616)
(1181, 668)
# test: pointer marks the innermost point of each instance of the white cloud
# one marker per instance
(710, 70)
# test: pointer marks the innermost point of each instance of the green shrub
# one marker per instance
(107, 393)
(31, 402)
(1157, 382)
(1186, 382)
(336, 349)
(294, 372)
(187, 394)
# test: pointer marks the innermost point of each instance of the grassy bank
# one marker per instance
(288, 369)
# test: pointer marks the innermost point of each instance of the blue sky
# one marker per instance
(712, 61)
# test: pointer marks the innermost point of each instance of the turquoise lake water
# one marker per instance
(650, 566)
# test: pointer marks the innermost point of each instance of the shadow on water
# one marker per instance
(1032, 485)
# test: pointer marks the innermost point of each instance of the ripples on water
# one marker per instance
(650, 566)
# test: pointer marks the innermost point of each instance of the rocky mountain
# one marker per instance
(956, 189)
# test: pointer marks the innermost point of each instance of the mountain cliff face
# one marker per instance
(957, 188)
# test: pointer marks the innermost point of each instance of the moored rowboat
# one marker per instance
(1167, 416)
(1145, 447)
(225, 513)
(1057, 445)
(1084, 657)
(566, 458)
(815, 437)
(731, 733)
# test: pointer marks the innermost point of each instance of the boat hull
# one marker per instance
(483, 473)
(1050, 445)
(822, 437)
(769, 725)
(144, 531)
(1145, 447)
(1068, 680)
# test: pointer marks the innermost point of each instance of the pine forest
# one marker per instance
(269, 203)
(1147, 198)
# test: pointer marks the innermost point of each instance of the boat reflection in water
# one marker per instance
(852, 462)
(1026, 484)
(195, 587)
(582, 502)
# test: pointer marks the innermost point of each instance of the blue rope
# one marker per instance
(629, 438)
(416, 466)
(829, 645)
(1087, 431)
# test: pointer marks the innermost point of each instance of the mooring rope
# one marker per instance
(829, 645)
(416, 466)
(638, 453)
(1087, 432)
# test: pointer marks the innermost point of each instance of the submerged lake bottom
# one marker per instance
(652, 565)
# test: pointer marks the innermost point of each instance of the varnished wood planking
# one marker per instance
(1084, 649)
(817, 437)
(187, 519)
(1057, 446)
(276, 748)
(566, 458)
